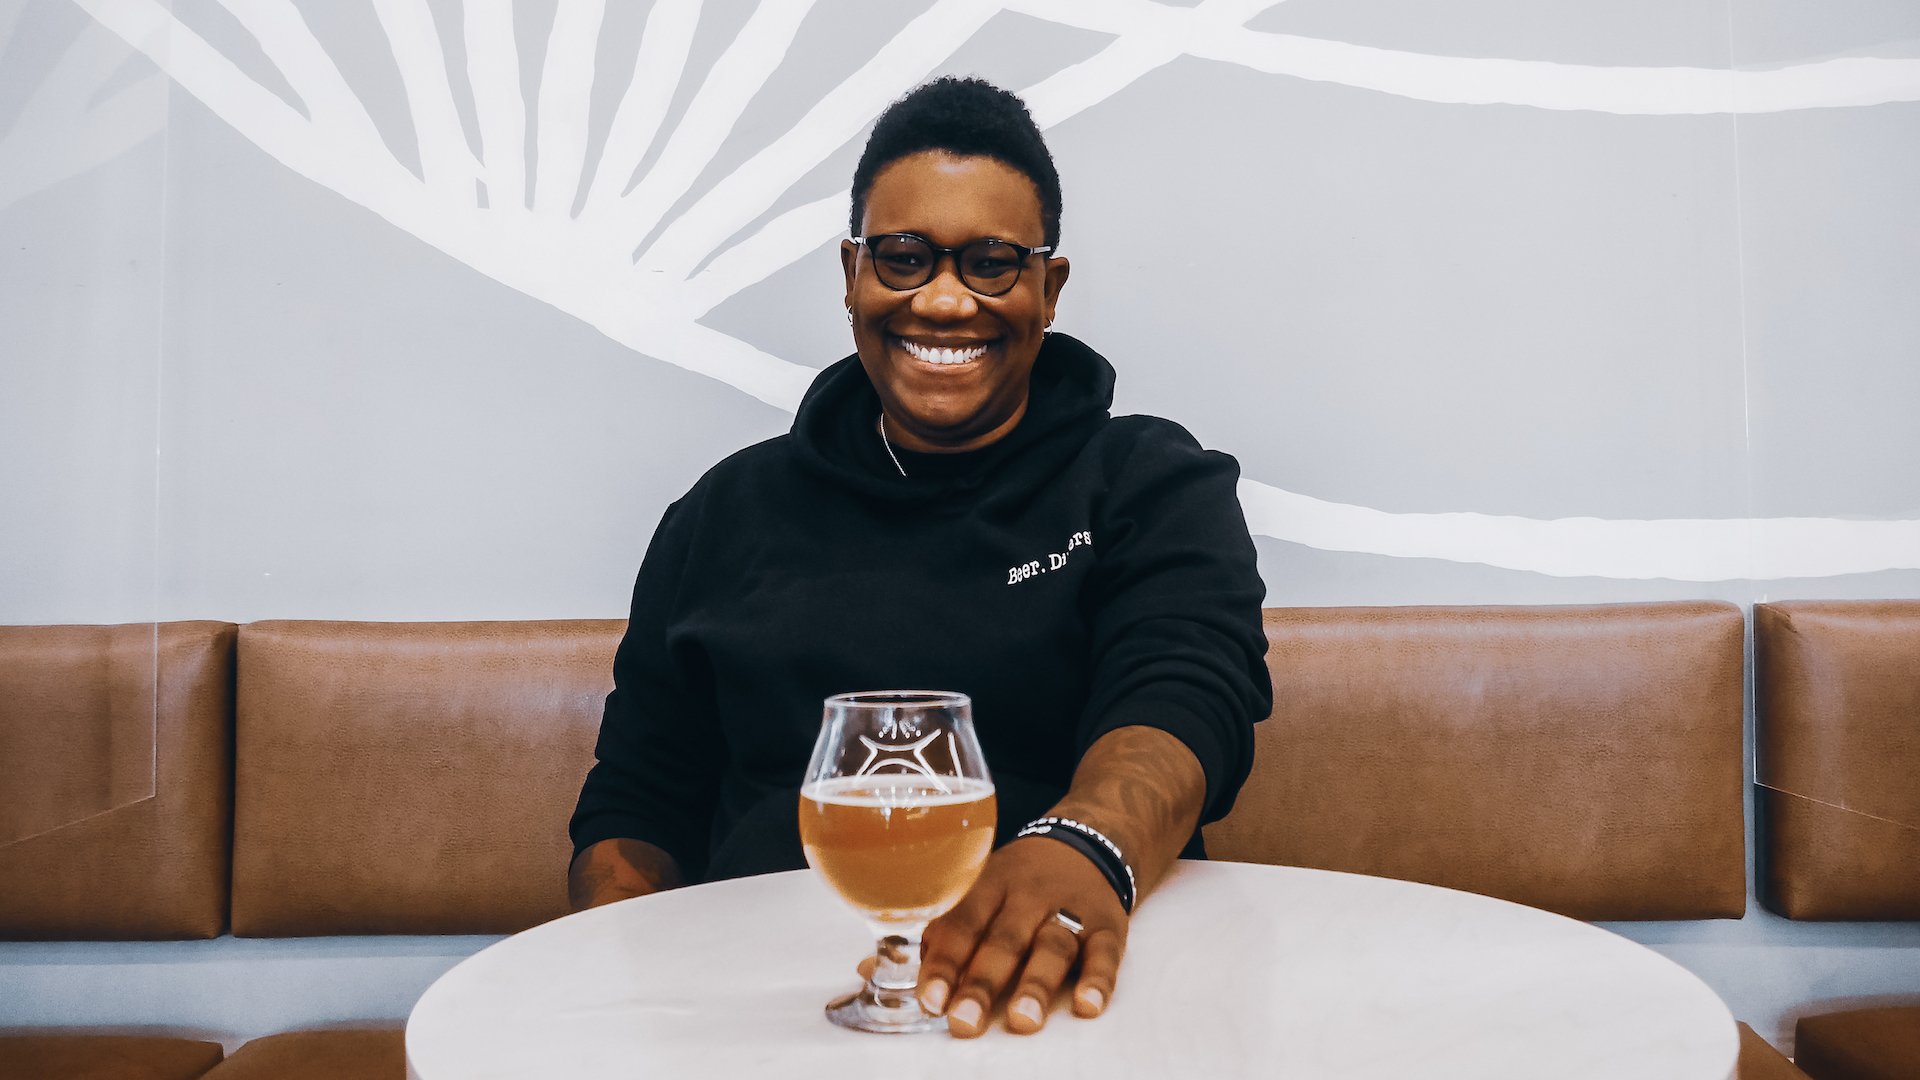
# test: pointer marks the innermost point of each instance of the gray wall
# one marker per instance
(1496, 302)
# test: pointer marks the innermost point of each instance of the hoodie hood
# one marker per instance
(1068, 397)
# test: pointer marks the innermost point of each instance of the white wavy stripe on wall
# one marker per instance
(1681, 549)
(1464, 80)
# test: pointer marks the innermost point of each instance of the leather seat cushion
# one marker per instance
(1860, 1044)
(104, 1057)
(319, 1055)
(1760, 1061)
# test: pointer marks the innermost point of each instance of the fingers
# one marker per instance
(992, 969)
(1055, 948)
(948, 944)
(1100, 952)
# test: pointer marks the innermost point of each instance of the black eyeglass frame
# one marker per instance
(933, 267)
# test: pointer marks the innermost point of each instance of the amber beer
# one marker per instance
(900, 847)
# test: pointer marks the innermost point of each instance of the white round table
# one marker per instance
(1232, 970)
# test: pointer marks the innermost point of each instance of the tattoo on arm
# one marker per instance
(1143, 788)
(618, 869)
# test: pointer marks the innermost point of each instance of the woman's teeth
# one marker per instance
(943, 356)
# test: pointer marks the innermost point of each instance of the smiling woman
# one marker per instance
(956, 509)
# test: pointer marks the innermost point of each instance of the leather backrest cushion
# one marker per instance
(411, 777)
(117, 812)
(1837, 714)
(1586, 760)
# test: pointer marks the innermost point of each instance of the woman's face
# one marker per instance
(987, 343)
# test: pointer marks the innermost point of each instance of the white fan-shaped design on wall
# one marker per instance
(579, 241)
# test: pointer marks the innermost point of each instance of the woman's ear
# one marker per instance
(1057, 271)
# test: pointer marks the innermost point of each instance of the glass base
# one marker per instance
(861, 1012)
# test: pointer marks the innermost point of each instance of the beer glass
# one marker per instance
(896, 813)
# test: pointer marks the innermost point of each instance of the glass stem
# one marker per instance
(896, 970)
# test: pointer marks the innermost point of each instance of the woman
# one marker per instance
(954, 508)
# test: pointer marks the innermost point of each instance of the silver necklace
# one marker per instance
(881, 425)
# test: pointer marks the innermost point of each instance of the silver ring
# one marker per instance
(1072, 925)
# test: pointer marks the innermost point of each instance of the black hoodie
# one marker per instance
(1082, 574)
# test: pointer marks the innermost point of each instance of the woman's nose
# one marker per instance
(945, 297)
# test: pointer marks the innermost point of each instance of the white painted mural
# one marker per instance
(425, 309)
(627, 252)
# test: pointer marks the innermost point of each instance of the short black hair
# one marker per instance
(967, 118)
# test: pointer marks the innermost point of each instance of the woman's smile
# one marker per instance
(954, 355)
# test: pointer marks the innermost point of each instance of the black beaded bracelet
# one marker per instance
(1092, 843)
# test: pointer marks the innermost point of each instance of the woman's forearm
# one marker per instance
(1144, 789)
(620, 869)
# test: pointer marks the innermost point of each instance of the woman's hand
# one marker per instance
(1141, 788)
(1001, 941)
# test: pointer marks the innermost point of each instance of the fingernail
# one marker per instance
(1092, 998)
(1027, 1009)
(967, 1013)
(934, 997)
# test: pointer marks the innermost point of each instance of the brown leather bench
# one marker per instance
(1837, 709)
(389, 778)
(415, 778)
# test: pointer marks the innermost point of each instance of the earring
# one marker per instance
(849, 315)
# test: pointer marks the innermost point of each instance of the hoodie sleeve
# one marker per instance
(661, 753)
(1175, 609)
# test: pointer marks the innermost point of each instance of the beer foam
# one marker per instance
(897, 789)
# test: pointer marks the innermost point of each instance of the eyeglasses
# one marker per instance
(904, 261)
